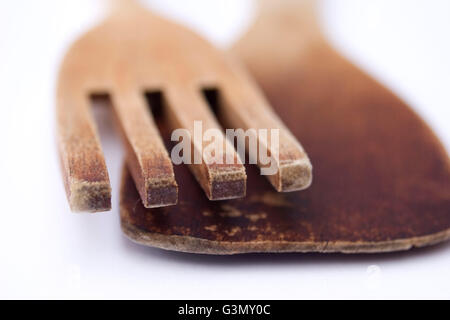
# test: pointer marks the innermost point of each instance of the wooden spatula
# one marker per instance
(382, 178)
(135, 53)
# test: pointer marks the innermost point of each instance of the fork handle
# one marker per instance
(120, 5)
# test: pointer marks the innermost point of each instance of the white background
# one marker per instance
(48, 252)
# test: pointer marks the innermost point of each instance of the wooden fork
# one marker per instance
(134, 52)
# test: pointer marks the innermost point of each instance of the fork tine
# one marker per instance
(244, 106)
(147, 157)
(219, 181)
(84, 170)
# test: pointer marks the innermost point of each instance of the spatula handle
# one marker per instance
(292, 16)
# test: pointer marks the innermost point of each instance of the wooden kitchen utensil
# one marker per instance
(382, 178)
(134, 53)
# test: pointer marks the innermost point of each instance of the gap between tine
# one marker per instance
(83, 165)
(288, 167)
(146, 155)
(214, 163)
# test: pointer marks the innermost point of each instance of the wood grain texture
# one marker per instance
(382, 178)
(134, 51)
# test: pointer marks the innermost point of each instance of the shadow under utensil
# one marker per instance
(280, 258)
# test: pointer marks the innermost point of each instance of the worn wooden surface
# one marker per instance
(134, 52)
(382, 178)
